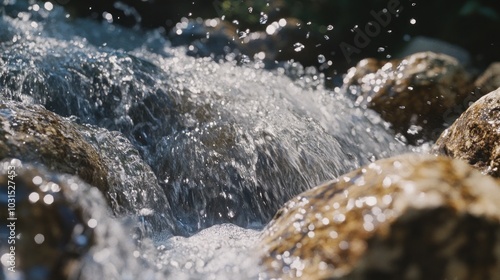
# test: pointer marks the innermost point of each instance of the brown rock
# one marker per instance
(415, 94)
(62, 227)
(407, 217)
(54, 229)
(34, 134)
(475, 135)
(489, 80)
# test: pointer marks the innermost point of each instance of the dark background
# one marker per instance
(470, 24)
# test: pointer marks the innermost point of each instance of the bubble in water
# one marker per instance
(380, 49)
(236, 22)
(250, 9)
(298, 47)
(321, 58)
(329, 27)
(263, 18)
(413, 21)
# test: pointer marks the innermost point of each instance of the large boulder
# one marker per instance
(408, 217)
(417, 94)
(474, 136)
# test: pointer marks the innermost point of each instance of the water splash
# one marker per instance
(227, 143)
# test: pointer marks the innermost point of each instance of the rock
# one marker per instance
(62, 226)
(103, 159)
(417, 95)
(474, 136)
(489, 80)
(205, 38)
(423, 44)
(33, 134)
(408, 217)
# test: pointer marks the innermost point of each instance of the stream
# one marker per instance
(222, 145)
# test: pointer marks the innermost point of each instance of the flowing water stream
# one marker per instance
(220, 145)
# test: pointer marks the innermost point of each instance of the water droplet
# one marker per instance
(34, 197)
(321, 58)
(48, 6)
(39, 238)
(92, 223)
(48, 199)
(263, 18)
(298, 47)
(37, 180)
(344, 245)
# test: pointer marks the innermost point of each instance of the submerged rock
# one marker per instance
(36, 135)
(62, 227)
(417, 94)
(408, 217)
(474, 136)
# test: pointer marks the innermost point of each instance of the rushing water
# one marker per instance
(213, 142)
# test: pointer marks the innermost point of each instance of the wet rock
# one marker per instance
(33, 134)
(417, 94)
(205, 38)
(489, 80)
(474, 136)
(426, 44)
(104, 159)
(62, 228)
(408, 217)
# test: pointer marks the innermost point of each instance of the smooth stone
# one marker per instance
(408, 217)
(417, 94)
(474, 136)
